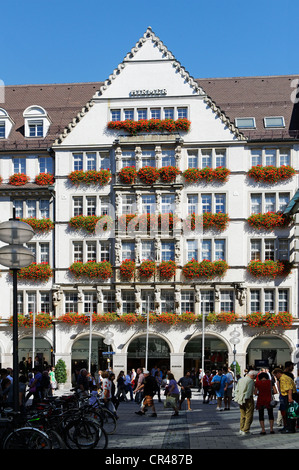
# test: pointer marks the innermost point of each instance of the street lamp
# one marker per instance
(234, 339)
(15, 256)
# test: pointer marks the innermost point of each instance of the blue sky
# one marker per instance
(55, 41)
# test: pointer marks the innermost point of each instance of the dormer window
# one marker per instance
(274, 121)
(37, 122)
(245, 123)
(6, 124)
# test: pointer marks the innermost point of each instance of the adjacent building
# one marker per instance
(166, 202)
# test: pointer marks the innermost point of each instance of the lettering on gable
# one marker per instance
(139, 93)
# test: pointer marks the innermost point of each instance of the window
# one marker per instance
(227, 301)
(167, 301)
(155, 113)
(206, 203)
(148, 158)
(19, 165)
(36, 129)
(192, 201)
(18, 205)
(269, 300)
(256, 203)
(283, 249)
(91, 161)
(31, 302)
(269, 249)
(182, 113)
(77, 205)
(220, 158)
(128, 204)
(271, 157)
(147, 250)
(268, 202)
(45, 165)
(44, 208)
(167, 251)
(128, 159)
(255, 304)
(128, 251)
(192, 250)
(128, 299)
(129, 114)
(206, 249)
(283, 300)
(283, 200)
(78, 251)
(44, 253)
(255, 250)
(147, 301)
(284, 158)
(78, 161)
(104, 205)
(20, 302)
(245, 123)
(2, 130)
(168, 158)
(31, 208)
(91, 251)
(206, 158)
(108, 302)
(207, 301)
(115, 115)
(104, 161)
(105, 251)
(192, 159)
(256, 157)
(187, 301)
(142, 114)
(91, 204)
(148, 204)
(167, 203)
(45, 302)
(71, 302)
(219, 203)
(274, 121)
(168, 113)
(219, 249)
(90, 302)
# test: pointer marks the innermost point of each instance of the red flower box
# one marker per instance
(271, 174)
(168, 173)
(167, 269)
(127, 269)
(206, 269)
(92, 269)
(269, 220)
(269, 268)
(148, 125)
(44, 179)
(36, 272)
(39, 225)
(101, 177)
(89, 222)
(147, 269)
(269, 320)
(128, 175)
(42, 320)
(19, 179)
(194, 175)
(148, 174)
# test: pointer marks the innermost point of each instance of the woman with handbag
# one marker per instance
(173, 394)
(264, 389)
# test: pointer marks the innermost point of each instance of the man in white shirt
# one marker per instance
(244, 396)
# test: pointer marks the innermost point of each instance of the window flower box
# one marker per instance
(167, 269)
(148, 174)
(269, 221)
(35, 272)
(147, 269)
(207, 221)
(44, 179)
(19, 179)
(101, 177)
(195, 175)
(89, 222)
(92, 269)
(127, 269)
(168, 174)
(269, 320)
(271, 174)
(204, 269)
(269, 268)
(128, 175)
(39, 225)
(42, 320)
(168, 318)
(148, 125)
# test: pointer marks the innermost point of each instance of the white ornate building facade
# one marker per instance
(228, 126)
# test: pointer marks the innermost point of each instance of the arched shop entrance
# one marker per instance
(158, 353)
(42, 351)
(216, 354)
(267, 351)
(99, 360)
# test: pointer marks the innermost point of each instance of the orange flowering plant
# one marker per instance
(168, 173)
(148, 125)
(148, 174)
(39, 225)
(147, 269)
(35, 272)
(194, 175)
(92, 269)
(19, 179)
(269, 320)
(207, 269)
(127, 269)
(44, 179)
(128, 174)
(269, 268)
(271, 174)
(101, 177)
(42, 320)
(269, 220)
(167, 269)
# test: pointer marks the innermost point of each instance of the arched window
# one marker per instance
(36, 121)
(6, 124)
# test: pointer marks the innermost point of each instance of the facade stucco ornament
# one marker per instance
(57, 295)
(118, 300)
(178, 155)
(118, 157)
(117, 248)
(157, 300)
(158, 152)
(137, 300)
(241, 294)
(138, 157)
(137, 249)
(177, 299)
(177, 251)
(157, 244)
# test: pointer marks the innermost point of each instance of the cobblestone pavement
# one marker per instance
(202, 428)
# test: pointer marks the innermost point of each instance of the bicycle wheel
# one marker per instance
(27, 438)
(103, 439)
(56, 440)
(109, 421)
(82, 433)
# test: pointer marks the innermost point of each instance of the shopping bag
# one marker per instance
(293, 410)
(170, 402)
